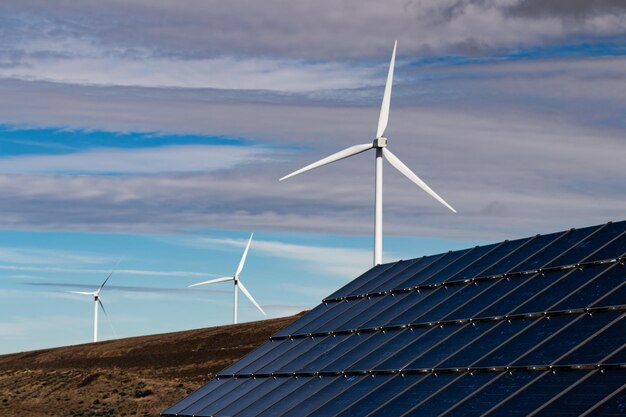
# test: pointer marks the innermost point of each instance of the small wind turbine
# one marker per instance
(237, 282)
(380, 144)
(96, 301)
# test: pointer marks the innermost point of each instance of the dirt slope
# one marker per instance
(139, 376)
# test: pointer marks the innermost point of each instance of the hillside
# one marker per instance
(139, 376)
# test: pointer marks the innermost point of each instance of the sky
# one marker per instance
(148, 137)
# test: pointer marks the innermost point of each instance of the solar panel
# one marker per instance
(529, 327)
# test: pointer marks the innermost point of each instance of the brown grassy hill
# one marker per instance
(138, 376)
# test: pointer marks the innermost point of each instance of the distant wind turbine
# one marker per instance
(96, 302)
(380, 144)
(237, 283)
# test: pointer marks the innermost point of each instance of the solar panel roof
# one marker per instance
(528, 327)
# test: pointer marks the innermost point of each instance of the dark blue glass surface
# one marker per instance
(274, 396)
(523, 343)
(455, 300)
(590, 293)
(308, 352)
(402, 304)
(374, 315)
(355, 392)
(292, 399)
(282, 348)
(452, 394)
(438, 353)
(361, 280)
(340, 349)
(256, 355)
(586, 394)
(509, 263)
(578, 330)
(554, 250)
(246, 385)
(224, 389)
(419, 392)
(413, 314)
(407, 273)
(489, 260)
(405, 356)
(378, 397)
(307, 318)
(557, 291)
(614, 405)
(589, 245)
(391, 347)
(371, 342)
(300, 347)
(364, 305)
(601, 347)
(522, 294)
(499, 388)
(340, 308)
(383, 281)
(613, 250)
(463, 262)
(475, 307)
(195, 396)
(540, 390)
(264, 387)
(489, 340)
(309, 405)
(432, 269)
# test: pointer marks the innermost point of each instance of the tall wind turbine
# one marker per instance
(380, 144)
(237, 282)
(96, 302)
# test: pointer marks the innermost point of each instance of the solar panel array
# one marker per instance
(529, 327)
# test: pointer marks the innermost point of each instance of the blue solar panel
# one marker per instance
(533, 326)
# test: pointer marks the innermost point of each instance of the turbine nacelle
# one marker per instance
(380, 142)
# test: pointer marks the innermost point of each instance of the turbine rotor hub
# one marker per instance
(380, 142)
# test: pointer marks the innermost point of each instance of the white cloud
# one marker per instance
(34, 256)
(139, 272)
(187, 158)
(342, 262)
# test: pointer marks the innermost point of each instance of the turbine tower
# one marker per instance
(237, 283)
(380, 145)
(96, 302)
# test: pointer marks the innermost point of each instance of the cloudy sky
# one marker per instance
(153, 133)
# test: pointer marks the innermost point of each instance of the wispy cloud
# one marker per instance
(140, 272)
(166, 159)
(34, 256)
(343, 262)
(126, 288)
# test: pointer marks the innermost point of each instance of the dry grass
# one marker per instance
(139, 376)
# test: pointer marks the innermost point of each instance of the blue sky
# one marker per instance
(153, 134)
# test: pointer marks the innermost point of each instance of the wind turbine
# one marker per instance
(380, 144)
(237, 282)
(96, 302)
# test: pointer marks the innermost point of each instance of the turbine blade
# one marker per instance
(82, 292)
(245, 291)
(384, 108)
(244, 256)
(111, 273)
(352, 150)
(397, 164)
(212, 281)
(102, 307)
(107, 316)
(105, 281)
